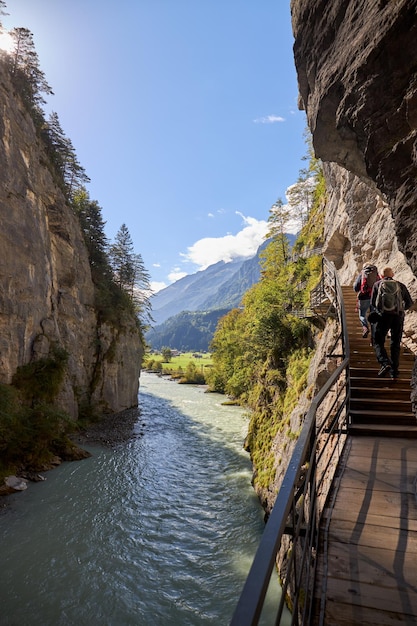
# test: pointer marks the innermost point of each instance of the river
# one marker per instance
(160, 531)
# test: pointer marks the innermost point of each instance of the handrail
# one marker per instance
(305, 254)
(293, 527)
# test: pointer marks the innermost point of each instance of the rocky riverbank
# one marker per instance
(111, 430)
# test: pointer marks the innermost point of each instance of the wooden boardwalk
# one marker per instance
(367, 572)
(368, 569)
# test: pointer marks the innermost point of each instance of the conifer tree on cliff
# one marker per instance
(92, 225)
(121, 259)
(301, 194)
(63, 156)
(278, 220)
(26, 73)
(129, 271)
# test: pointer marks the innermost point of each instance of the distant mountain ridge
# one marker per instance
(187, 331)
(186, 312)
(231, 292)
(221, 285)
(191, 292)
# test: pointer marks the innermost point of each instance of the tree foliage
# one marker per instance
(32, 427)
(130, 273)
(92, 224)
(116, 270)
(26, 73)
(166, 354)
(258, 350)
(71, 174)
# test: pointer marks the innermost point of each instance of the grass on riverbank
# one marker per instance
(187, 367)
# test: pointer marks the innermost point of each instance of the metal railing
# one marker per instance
(292, 531)
(305, 254)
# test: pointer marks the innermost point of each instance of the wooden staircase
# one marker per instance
(378, 406)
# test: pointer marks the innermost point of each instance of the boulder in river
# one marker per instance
(12, 484)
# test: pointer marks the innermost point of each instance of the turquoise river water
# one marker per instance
(159, 531)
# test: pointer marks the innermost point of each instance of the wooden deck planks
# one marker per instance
(376, 566)
(367, 560)
(368, 565)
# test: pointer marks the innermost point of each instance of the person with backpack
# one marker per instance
(390, 299)
(363, 286)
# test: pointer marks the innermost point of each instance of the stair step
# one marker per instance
(378, 406)
(376, 385)
(373, 365)
(386, 430)
(381, 404)
(383, 417)
(361, 370)
(385, 393)
(370, 354)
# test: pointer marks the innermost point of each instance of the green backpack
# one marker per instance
(389, 298)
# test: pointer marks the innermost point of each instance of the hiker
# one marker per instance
(390, 299)
(363, 287)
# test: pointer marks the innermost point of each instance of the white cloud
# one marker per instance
(210, 250)
(176, 275)
(157, 286)
(269, 119)
(210, 215)
(156, 265)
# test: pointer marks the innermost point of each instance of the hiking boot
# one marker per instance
(365, 333)
(384, 370)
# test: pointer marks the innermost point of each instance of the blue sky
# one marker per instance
(183, 114)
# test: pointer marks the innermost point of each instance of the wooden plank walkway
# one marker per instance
(367, 560)
(368, 564)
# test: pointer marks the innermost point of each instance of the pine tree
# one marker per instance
(92, 225)
(130, 273)
(301, 195)
(62, 155)
(26, 73)
(122, 259)
(279, 218)
(142, 290)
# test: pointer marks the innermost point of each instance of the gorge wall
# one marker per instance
(356, 63)
(46, 290)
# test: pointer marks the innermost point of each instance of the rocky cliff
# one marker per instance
(46, 290)
(356, 62)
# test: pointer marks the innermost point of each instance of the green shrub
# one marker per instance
(192, 375)
(40, 381)
(32, 428)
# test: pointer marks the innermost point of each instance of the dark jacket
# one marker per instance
(408, 301)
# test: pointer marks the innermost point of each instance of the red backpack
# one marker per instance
(369, 277)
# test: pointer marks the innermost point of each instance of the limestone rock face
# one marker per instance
(357, 70)
(359, 228)
(46, 290)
